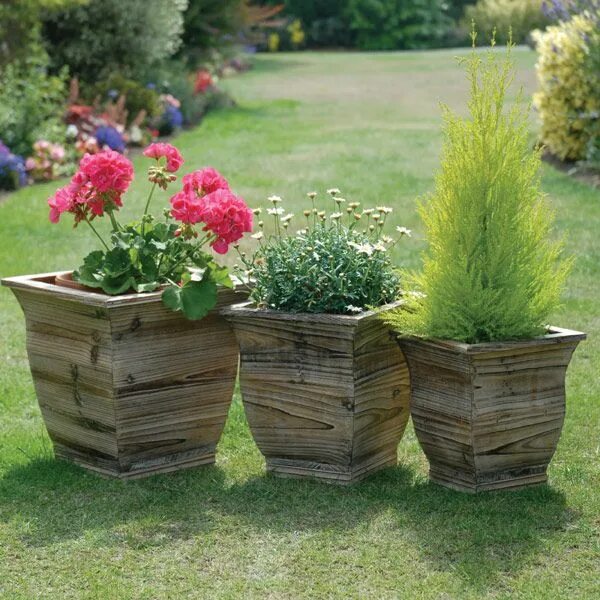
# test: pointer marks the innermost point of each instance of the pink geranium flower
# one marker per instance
(187, 208)
(170, 153)
(205, 181)
(227, 216)
(62, 201)
(108, 171)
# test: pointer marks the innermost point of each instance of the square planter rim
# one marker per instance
(43, 283)
(555, 335)
(247, 309)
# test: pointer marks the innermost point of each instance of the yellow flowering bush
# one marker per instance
(568, 100)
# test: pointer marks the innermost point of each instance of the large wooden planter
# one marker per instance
(489, 416)
(326, 396)
(126, 387)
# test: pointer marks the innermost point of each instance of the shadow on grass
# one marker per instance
(477, 537)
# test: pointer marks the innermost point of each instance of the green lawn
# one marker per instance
(368, 124)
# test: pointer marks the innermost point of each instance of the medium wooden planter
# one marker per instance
(326, 396)
(126, 387)
(489, 416)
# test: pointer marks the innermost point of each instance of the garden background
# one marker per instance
(303, 115)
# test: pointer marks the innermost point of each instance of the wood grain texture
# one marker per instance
(126, 387)
(489, 416)
(326, 396)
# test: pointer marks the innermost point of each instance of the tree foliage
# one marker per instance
(103, 36)
(492, 271)
(398, 24)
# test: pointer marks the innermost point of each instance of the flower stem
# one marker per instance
(115, 225)
(147, 207)
(96, 232)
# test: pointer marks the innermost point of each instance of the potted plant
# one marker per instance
(487, 372)
(130, 381)
(325, 388)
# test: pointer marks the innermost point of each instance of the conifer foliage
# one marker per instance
(492, 270)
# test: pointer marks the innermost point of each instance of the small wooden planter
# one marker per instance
(326, 396)
(489, 416)
(126, 387)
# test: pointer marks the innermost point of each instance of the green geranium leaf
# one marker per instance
(160, 231)
(198, 298)
(122, 239)
(89, 273)
(220, 276)
(94, 260)
(158, 245)
(147, 287)
(201, 260)
(118, 285)
(171, 298)
(148, 268)
(117, 263)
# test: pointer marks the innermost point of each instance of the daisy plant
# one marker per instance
(335, 261)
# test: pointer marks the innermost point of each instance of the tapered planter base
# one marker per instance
(489, 416)
(326, 396)
(126, 387)
(328, 473)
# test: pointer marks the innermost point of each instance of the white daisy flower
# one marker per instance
(275, 211)
(404, 231)
(353, 309)
(333, 191)
(362, 248)
(259, 235)
(274, 199)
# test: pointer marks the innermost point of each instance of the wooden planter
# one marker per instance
(126, 387)
(326, 396)
(489, 416)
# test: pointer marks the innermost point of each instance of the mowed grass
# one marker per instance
(370, 125)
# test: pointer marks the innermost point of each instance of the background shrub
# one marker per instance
(209, 24)
(523, 16)
(568, 99)
(325, 21)
(31, 104)
(104, 36)
(138, 96)
(20, 22)
(492, 271)
(398, 24)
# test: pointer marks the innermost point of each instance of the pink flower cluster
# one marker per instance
(96, 187)
(160, 150)
(47, 161)
(206, 198)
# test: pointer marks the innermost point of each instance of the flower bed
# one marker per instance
(118, 114)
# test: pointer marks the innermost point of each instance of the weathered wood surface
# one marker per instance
(326, 396)
(489, 416)
(127, 387)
